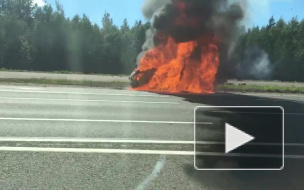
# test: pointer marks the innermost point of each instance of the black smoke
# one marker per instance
(188, 20)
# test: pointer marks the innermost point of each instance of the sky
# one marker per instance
(260, 11)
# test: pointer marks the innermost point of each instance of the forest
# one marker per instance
(279, 47)
(42, 39)
(37, 38)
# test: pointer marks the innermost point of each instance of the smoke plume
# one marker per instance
(218, 18)
(255, 65)
(186, 42)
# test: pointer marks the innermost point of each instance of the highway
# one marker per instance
(90, 138)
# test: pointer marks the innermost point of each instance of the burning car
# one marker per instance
(138, 78)
(183, 45)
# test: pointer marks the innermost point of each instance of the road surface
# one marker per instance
(89, 138)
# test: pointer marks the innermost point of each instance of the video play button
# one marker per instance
(238, 138)
(235, 138)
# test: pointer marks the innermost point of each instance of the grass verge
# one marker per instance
(64, 72)
(259, 88)
(112, 84)
(122, 85)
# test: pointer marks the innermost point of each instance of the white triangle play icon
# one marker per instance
(235, 138)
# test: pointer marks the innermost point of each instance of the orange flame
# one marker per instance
(181, 67)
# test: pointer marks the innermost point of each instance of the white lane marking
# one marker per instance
(123, 91)
(106, 121)
(28, 88)
(156, 171)
(21, 88)
(77, 90)
(135, 151)
(84, 93)
(131, 141)
(80, 100)
(249, 155)
(265, 113)
(85, 140)
(86, 150)
(40, 139)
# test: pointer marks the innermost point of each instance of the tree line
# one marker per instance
(282, 42)
(44, 39)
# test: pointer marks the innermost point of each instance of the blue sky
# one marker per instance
(260, 10)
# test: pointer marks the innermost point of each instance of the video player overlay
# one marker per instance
(240, 138)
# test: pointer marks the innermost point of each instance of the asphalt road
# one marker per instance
(89, 138)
